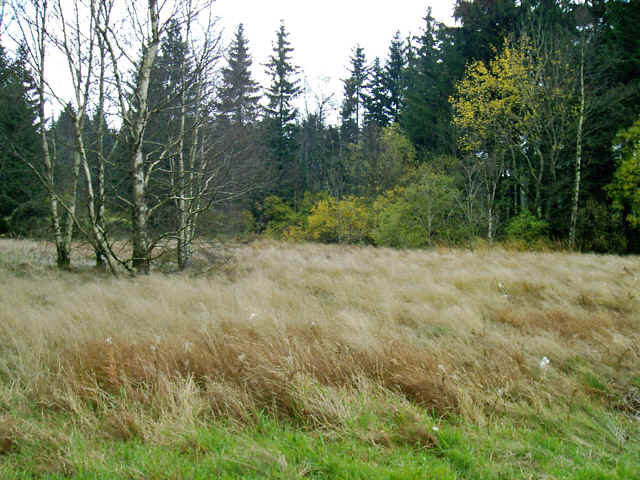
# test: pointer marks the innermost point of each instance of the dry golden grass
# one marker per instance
(316, 334)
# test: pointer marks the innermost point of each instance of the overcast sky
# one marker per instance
(323, 33)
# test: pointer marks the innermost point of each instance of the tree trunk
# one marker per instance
(63, 259)
(490, 226)
(99, 200)
(141, 254)
(578, 166)
(180, 182)
(97, 230)
(73, 200)
(99, 203)
(140, 241)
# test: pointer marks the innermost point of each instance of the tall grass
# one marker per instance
(317, 335)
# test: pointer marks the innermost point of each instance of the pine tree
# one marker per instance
(280, 114)
(354, 95)
(239, 93)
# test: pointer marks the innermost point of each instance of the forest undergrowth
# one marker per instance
(276, 360)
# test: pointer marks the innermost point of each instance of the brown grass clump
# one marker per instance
(319, 334)
(257, 370)
(8, 435)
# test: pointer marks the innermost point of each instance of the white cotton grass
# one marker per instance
(544, 363)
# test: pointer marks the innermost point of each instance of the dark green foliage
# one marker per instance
(239, 92)
(376, 98)
(354, 94)
(281, 114)
(320, 165)
(276, 216)
(601, 229)
(485, 24)
(22, 201)
(427, 114)
(613, 75)
(395, 79)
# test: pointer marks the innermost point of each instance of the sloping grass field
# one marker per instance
(275, 360)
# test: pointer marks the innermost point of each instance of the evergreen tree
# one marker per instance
(354, 95)
(239, 93)
(376, 97)
(427, 115)
(485, 24)
(395, 80)
(281, 114)
(170, 89)
(21, 195)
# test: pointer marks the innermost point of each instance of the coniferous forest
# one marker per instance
(520, 124)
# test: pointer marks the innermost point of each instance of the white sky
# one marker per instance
(323, 33)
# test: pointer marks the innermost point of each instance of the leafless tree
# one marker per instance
(110, 48)
(82, 47)
(33, 20)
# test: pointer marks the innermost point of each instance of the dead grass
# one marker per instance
(317, 333)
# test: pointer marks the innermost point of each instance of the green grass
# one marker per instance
(584, 442)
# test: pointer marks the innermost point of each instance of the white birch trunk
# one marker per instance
(140, 237)
(578, 166)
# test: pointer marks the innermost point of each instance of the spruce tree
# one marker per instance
(376, 97)
(354, 95)
(427, 114)
(21, 195)
(485, 24)
(239, 92)
(394, 74)
(281, 114)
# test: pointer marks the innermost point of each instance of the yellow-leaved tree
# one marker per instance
(489, 112)
(516, 117)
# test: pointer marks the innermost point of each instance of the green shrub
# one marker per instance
(624, 190)
(422, 214)
(527, 228)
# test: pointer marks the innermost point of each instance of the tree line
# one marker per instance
(520, 124)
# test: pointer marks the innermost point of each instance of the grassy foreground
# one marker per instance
(309, 361)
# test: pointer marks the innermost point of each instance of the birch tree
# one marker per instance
(34, 19)
(82, 47)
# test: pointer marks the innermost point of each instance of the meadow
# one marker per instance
(282, 360)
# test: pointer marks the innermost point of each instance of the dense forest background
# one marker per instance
(519, 124)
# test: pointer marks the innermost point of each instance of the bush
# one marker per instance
(277, 216)
(625, 187)
(527, 228)
(601, 228)
(424, 213)
(349, 220)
